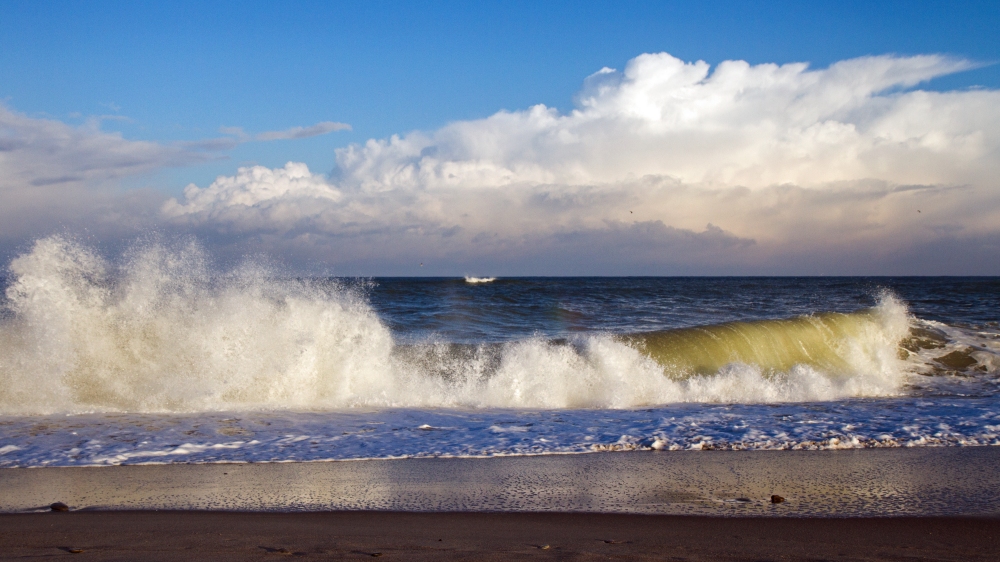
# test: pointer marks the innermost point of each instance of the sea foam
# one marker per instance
(160, 332)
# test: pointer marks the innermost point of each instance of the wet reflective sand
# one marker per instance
(850, 483)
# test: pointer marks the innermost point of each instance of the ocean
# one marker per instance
(159, 357)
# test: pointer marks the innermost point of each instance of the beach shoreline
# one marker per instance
(915, 482)
(868, 504)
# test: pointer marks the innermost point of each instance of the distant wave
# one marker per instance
(160, 334)
(479, 279)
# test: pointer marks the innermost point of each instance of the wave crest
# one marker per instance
(160, 333)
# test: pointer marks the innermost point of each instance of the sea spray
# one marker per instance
(161, 332)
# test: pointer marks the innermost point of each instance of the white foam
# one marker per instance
(474, 280)
(605, 373)
(162, 335)
(281, 436)
(159, 333)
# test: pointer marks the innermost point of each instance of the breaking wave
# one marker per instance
(160, 333)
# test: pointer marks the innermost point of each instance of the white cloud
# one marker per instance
(739, 125)
(257, 194)
(792, 169)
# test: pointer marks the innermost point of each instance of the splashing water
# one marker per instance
(161, 333)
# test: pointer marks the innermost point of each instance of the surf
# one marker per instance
(160, 331)
(832, 342)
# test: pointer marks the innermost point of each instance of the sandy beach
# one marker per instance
(923, 503)
(919, 481)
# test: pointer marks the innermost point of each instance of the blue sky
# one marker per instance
(180, 70)
(171, 73)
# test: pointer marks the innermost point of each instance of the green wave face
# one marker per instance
(824, 341)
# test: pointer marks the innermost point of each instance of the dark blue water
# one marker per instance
(451, 309)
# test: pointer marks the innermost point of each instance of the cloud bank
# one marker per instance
(55, 176)
(664, 167)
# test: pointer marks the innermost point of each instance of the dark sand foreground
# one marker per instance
(190, 536)
(891, 504)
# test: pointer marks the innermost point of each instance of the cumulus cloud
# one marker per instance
(845, 169)
(739, 125)
(272, 196)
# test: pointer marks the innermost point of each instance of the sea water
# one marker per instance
(159, 357)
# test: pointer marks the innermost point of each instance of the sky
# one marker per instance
(510, 138)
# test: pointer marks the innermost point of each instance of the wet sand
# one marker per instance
(926, 481)
(487, 536)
